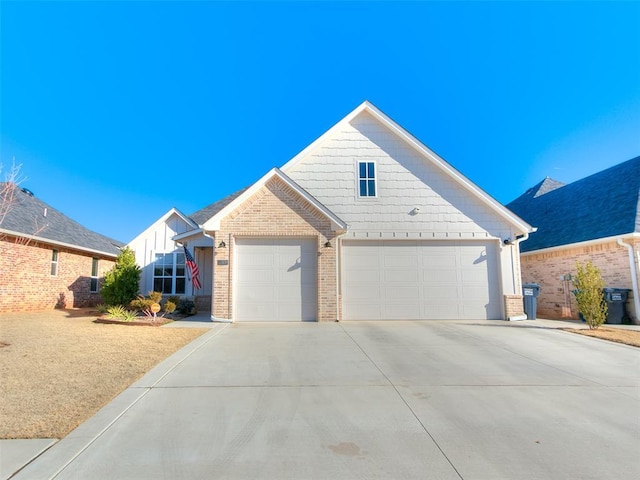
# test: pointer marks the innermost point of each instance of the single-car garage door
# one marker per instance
(275, 279)
(412, 280)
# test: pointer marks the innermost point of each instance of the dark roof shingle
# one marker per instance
(29, 215)
(602, 205)
(204, 214)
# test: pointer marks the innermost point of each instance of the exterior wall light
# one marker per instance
(328, 244)
(222, 244)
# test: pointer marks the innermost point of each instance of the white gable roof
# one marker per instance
(423, 151)
(214, 222)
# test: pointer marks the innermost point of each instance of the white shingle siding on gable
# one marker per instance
(405, 180)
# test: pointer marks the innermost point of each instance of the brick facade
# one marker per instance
(26, 283)
(275, 210)
(513, 306)
(556, 300)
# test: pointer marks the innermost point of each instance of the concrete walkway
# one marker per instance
(454, 399)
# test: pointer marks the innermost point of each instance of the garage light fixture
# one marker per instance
(222, 244)
(328, 244)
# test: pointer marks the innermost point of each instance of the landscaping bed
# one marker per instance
(59, 367)
(620, 335)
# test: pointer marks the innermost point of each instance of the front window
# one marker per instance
(54, 263)
(169, 273)
(94, 276)
(367, 179)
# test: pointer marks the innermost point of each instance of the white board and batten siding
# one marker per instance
(158, 238)
(275, 279)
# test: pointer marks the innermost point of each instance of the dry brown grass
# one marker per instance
(628, 337)
(58, 368)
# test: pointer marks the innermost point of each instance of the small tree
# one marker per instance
(589, 284)
(121, 282)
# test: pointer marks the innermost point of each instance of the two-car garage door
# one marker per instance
(406, 280)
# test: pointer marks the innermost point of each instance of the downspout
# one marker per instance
(338, 242)
(514, 261)
(634, 276)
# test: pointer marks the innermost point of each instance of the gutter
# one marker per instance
(633, 266)
(61, 244)
(586, 243)
(338, 242)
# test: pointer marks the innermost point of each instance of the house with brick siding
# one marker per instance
(596, 218)
(48, 260)
(366, 223)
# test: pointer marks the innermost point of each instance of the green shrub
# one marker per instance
(120, 284)
(169, 307)
(156, 297)
(187, 307)
(175, 299)
(101, 308)
(589, 285)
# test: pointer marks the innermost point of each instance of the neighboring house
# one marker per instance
(48, 260)
(596, 218)
(366, 223)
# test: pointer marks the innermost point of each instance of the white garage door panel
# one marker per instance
(406, 280)
(275, 279)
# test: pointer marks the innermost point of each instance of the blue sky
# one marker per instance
(119, 111)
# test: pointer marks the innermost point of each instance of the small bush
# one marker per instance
(187, 307)
(101, 308)
(175, 299)
(141, 304)
(118, 312)
(120, 284)
(589, 285)
(156, 297)
(169, 307)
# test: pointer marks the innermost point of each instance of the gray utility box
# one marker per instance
(530, 292)
(616, 299)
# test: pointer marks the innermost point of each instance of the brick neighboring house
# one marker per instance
(48, 260)
(366, 223)
(596, 218)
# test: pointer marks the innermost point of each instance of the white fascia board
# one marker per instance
(187, 234)
(213, 224)
(321, 139)
(48, 241)
(336, 222)
(520, 225)
(586, 243)
(162, 219)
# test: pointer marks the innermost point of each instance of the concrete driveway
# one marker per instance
(402, 400)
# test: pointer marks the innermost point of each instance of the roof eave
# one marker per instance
(213, 224)
(58, 243)
(585, 243)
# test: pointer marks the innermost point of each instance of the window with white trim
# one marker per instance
(94, 276)
(54, 263)
(169, 273)
(367, 179)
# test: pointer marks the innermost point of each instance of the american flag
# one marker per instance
(193, 269)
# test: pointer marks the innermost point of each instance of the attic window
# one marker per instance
(366, 179)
